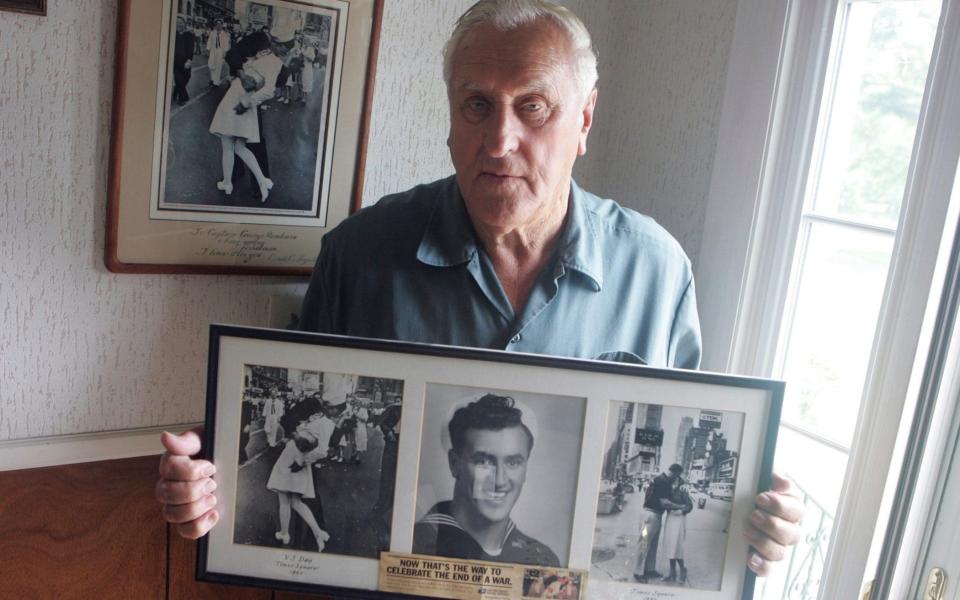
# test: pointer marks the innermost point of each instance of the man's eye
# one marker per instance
(476, 107)
(535, 112)
(514, 463)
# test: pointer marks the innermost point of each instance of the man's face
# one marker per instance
(489, 471)
(181, 26)
(518, 121)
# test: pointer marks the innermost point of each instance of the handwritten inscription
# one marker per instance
(245, 246)
(650, 594)
(296, 565)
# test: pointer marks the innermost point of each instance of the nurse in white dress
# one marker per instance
(236, 121)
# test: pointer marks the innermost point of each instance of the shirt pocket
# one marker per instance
(621, 356)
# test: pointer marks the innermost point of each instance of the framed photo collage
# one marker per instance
(370, 468)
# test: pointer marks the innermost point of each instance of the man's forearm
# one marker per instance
(265, 93)
(668, 505)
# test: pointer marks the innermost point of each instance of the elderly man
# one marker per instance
(489, 449)
(509, 253)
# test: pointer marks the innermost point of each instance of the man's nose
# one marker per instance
(501, 132)
(501, 481)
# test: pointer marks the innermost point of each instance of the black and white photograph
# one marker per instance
(665, 501)
(498, 475)
(317, 461)
(248, 110)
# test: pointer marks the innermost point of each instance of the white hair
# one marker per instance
(506, 15)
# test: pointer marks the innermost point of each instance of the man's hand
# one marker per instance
(774, 525)
(186, 486)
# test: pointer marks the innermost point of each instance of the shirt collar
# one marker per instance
(442, 514)
(449, 239)
(580, 248)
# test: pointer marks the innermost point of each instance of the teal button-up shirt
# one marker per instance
(410, 268)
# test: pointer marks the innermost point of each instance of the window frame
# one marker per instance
(924, 434)
(775, 84)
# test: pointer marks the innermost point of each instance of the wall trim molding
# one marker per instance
(31, 453)
(743, 143)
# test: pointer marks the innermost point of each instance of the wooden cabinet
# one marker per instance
(94, 530)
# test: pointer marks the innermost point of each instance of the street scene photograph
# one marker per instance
(664, 507)
(498, 475)
(247, 116)
(318, 461)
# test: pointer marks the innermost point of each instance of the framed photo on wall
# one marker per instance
(31, 7)
(379, 469)
(239, 131)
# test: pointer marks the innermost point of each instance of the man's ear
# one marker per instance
(453, 461)
(587, 118)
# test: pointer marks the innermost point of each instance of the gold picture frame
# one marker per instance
(168, 210)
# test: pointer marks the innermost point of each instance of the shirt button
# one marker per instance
(515, 339)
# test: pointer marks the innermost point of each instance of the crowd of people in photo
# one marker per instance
(316, 430)
(258, 68)
(228, 43)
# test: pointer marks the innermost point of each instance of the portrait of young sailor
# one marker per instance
(495, 456)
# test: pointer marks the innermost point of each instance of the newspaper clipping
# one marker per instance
(475, 580)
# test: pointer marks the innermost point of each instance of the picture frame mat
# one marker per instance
(471, 367)
(346, 571)
(752, 463)
(138, 244)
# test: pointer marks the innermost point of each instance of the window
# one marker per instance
(851, 209)
(844, 189)
(874, 83)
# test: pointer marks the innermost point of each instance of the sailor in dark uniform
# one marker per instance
(439, 533)
(490, 447)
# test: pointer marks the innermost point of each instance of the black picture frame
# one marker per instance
(30, 7)
(235, 354)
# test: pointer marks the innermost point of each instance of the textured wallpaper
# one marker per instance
(408, 127)
(84, 350)
(664, 66)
